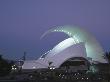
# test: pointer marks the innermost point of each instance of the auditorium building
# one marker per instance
(71, 53)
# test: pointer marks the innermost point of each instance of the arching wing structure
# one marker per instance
(79, 44)
(93, 48)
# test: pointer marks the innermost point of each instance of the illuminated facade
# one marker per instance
(93, 48)
(80, 45)
(58, 55)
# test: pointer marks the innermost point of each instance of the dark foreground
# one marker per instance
(53, 76)
(49, 81)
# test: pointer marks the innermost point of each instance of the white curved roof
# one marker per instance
(59, 54)
(61, 46)
(76, 50)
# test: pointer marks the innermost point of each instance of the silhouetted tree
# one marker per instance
(5, 66)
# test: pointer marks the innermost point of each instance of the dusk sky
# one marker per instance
(22, 23)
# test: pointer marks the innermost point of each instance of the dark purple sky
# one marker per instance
(22, 22)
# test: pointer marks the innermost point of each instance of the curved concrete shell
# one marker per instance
(93, 48)
(58, 56)
(80, 44)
